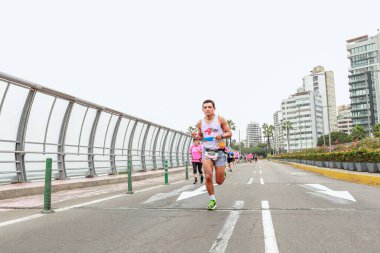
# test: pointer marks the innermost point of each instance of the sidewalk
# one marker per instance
(340, 174)
(33, 188)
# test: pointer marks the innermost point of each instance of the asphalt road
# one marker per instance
(262, 207)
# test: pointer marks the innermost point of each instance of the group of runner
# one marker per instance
(251, 157)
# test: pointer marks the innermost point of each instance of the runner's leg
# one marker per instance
(219, 174)
(200, 171)
(195, 172)
(220, 168)
(208, 167)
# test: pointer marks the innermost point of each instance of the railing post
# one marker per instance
(130, 177)
(166, 173)
(47, 191)
(187, 170)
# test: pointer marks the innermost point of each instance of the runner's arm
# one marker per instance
(227, 131)
(200, 134)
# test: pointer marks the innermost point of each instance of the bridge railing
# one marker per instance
(83, 139)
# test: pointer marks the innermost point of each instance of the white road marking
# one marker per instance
(269, 235)
(261, 180)
(161, 196)
(339, 194)
(224, 236)
(196, 192)
(261, 172)
(3, 224)
(34, 216)
(250, 180)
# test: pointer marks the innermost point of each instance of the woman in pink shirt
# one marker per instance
(196, 151)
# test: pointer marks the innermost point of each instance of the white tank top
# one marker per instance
(209, 132)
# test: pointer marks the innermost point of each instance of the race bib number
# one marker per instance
(212, 155)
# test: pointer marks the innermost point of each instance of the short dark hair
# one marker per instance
(209, 101)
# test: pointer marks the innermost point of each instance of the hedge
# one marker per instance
(358, 156)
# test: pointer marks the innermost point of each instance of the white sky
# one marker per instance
(160, 59)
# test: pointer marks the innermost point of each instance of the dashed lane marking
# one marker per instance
(269, 235)
(224, 236)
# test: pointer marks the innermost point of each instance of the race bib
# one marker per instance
(212, 155)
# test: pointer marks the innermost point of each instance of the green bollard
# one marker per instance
(130, 177)
(166, 173)
(187, 170)
(47, 191)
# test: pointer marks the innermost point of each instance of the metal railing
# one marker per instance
(82, 138)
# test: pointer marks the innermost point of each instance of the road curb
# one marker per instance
(27, 189)
(372, 180)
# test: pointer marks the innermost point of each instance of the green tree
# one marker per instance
(191, 129)
(336, 138)
(268, 133)
(287, 126)
(232, 126)
(376, 130)
(358, 133)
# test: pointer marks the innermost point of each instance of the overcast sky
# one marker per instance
(160, 59)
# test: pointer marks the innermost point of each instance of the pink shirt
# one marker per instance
(196, 153)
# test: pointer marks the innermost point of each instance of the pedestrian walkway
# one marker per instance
(32, 188)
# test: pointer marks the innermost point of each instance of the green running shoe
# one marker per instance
(211, 205)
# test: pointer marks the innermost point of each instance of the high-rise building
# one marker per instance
(322, 82)
(254, 136)
(363, 54)
(278, 133)
(304, 111)
(344, 119)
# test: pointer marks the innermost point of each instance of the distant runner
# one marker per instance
(196, 151)
(230, 158)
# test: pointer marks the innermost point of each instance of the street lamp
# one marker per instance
(328, 124)
(239, 144)
(299, 124)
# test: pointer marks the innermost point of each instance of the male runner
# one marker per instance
(212, 129)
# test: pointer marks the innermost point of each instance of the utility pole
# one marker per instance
(299, 125)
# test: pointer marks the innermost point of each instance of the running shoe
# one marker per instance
(211, 205)
(201, 179)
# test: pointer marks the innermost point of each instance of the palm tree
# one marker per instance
(268, 132)
(191, 129)
(287, 125)
(271, 132)
(232, 126)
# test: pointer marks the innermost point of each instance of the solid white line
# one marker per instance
(34, 216)
(108, 198)
(250, 180)
(87, 203)
(269, 235)
(224, 236)
(3, 224)
(261, 180)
